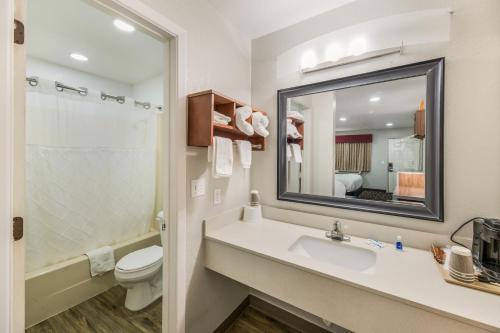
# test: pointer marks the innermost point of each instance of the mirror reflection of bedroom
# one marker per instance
(364, 142)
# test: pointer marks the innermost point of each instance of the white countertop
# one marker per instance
(411, 276)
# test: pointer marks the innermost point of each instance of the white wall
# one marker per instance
(150, 90)
(377, 177)
(319, 151)
(471, 136)
(218, 58)
(72, 77)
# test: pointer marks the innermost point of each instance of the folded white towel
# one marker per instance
(245, 152)
(295, 115)
(221, 156)
(102, 260)
(260, 123)
(243, 113)
(220, 118)
(297, 153)
(288, 152)
(291, 130)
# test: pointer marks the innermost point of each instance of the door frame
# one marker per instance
(174, 283)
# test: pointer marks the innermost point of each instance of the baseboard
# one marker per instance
(272, 311)
(233, 316)
(284, 316)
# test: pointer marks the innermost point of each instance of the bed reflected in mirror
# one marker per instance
(371, 143)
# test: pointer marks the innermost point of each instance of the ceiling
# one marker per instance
(56, 28)
(257, 18)
(398, 102)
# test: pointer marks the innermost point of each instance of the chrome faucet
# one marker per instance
(336, 233)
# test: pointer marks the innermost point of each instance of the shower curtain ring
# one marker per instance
(83, 91)
(32, 81)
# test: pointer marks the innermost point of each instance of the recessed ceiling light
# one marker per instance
(78, 57)
(374, 99)
(342, 118)
(389, 124)
(123, 26)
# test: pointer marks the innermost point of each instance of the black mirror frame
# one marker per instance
(433, 205)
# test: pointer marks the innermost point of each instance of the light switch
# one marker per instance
(217, 196)
(197, 187)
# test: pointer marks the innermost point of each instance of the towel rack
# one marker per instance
(61, 87)
(119, 99)
(254, 146)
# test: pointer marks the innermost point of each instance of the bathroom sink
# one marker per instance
(335, 252)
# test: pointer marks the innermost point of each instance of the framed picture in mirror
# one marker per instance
(371, 142)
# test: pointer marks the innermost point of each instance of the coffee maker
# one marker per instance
(486, 247)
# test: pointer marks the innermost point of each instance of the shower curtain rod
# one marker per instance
(34, 80)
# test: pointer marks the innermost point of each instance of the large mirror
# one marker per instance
(371, 142)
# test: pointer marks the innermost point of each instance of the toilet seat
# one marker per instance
(140, 263)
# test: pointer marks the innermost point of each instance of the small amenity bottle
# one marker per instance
(399, 243)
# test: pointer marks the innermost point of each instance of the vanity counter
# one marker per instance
(410, 277)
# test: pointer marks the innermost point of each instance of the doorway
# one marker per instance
(404, 155)
(14, 158)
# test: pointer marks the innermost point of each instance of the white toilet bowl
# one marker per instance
(140, 272)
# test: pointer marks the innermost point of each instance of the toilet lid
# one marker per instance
(141, 259)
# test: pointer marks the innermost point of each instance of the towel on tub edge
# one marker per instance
(102, 260)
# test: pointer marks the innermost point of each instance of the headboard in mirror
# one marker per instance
(371, 142)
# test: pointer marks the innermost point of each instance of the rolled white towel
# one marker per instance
(220, 118)
(260, 123)
(292, 131)
(243, 113)
(295, 115)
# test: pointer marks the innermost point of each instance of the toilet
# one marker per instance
(140, 272)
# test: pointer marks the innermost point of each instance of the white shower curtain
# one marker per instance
(90, 173)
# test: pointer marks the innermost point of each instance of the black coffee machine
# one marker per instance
(486, 247)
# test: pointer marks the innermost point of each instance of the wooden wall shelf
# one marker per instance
(419, 127)
(201, 125)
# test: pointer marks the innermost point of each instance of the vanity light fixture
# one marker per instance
(123, 26)
(353, 58)
(78, 57)
(343, 119)
(374, 99)
(334, 52)
(309, 60)
(389, 124)
(358, 47)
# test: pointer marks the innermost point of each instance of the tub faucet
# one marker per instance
(336, 233)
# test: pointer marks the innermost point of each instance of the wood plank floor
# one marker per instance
(104, 313)
(254, 321)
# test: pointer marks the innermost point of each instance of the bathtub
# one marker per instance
(56, 288)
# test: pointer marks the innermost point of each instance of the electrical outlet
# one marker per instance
(217, 196)
(197, 187)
